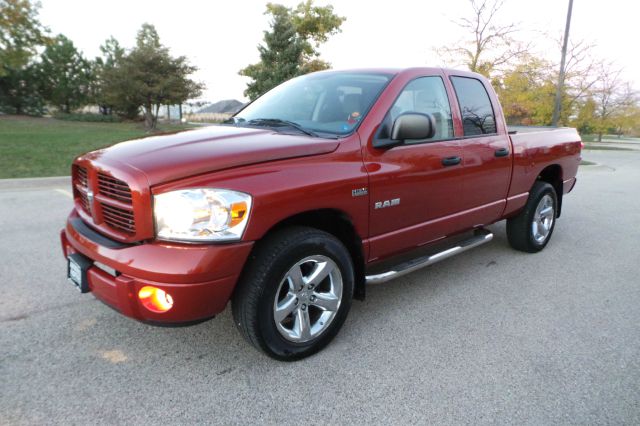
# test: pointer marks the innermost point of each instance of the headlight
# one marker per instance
(202, 214)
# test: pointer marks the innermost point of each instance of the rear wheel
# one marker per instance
(295, 294)
(531, 230)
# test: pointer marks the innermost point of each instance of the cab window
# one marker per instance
(426, 95)
(475, 106)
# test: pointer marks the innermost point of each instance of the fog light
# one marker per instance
(155, 299)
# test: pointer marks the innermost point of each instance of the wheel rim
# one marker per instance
(543, 219)
(308, 298)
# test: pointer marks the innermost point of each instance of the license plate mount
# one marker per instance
(77, 267)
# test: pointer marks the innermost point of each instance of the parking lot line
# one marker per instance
(63, 192)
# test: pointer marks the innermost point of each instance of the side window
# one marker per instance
(426, 95)
(477, 113)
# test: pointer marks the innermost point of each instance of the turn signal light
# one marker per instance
(238, 210)
(155, 299)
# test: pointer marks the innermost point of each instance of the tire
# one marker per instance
(270, 288)
(529, 231)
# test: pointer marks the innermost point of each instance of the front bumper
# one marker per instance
(200, 278)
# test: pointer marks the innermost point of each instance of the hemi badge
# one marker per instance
(359, 192)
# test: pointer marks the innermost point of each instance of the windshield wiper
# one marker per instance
(275, 122)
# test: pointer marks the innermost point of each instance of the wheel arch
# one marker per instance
(340, 225)
(552, 175)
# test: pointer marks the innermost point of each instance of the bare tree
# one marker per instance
(490, 45)
(580, 71)
(612, 97)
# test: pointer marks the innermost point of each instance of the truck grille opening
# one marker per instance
(82, 176)
(81, 187)
(113, 200)
(118, 218)
(114, 188)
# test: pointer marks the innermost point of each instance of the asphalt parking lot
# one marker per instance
(491, 336)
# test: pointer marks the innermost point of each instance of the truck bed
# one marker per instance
(533, 136)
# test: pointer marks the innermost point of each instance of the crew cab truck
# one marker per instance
(327, 183)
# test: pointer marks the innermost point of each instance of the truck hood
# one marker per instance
(171, 157)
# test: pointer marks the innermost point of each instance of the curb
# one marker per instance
(35, 183)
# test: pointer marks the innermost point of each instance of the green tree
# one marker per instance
(149, 77)
(112, 54)
(280, 58)
(65, 75)
(291, 46)
(20, 91)
(20, 34)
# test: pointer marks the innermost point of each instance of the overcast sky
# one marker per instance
(220, 37)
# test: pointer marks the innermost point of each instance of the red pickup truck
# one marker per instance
(327, 183)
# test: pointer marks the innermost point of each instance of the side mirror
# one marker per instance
(413, 125)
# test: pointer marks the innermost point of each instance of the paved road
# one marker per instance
(492, 336)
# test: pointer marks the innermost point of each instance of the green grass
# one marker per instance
(609, 138)
(38, 147)
(589, 147)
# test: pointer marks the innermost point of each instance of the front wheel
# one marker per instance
(531, 230)
(295, 294)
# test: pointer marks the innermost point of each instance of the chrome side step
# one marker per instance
(481, 236)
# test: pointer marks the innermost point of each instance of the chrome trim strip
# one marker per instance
(482, 236)
(106, 269)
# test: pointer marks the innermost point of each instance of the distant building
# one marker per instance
(228, 106)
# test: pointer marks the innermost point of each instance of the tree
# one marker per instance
(291, 47)
(280, 58)
(585, 117)
(112, 54)
(20, 91)
(489, 46)
(148, 77)
(20, 34)
(527, 91)
(579, 77)
(65, 75)
(611, 96)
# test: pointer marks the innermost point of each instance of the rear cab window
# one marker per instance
(478, 117)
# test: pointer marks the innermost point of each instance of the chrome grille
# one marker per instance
(81, 186)
(118, 218)
(114, 188)
(84, 201)
(113, 206)
(82, 176)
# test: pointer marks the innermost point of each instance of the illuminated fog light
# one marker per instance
(155, 299)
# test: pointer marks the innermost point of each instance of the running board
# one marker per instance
(480, 237)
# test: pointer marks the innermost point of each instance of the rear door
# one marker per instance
(486, 150)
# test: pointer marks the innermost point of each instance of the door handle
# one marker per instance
(502, 152)
(451, 161)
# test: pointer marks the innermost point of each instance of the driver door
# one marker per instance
(414, 192)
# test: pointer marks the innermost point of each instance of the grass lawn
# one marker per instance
(588, 146)
(609, 138)
(38, 147)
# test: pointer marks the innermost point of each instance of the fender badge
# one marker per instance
(386, 203)
(359, 192)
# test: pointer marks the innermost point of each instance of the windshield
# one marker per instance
(333, 102)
